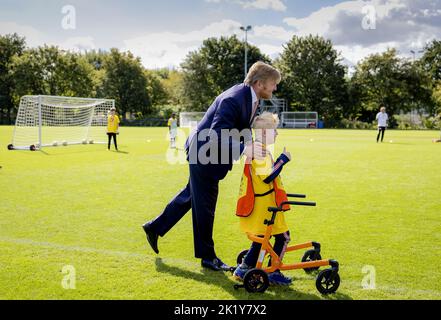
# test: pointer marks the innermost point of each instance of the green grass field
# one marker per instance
(378, 205)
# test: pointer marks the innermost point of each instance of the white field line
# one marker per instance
(28, 242)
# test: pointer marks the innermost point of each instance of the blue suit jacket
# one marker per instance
(230, 110)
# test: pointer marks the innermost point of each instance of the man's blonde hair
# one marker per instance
(266, 120)
(263, 72)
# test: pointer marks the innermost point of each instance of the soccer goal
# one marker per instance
(299, 120)
(190, 119)
(44, 121)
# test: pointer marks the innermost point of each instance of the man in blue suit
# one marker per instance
(211, 149)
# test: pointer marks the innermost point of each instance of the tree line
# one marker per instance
(314, 79)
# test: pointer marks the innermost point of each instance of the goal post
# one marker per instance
(190, 119)
(44, 121)
(299, 120)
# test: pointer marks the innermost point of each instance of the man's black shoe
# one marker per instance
(152, 236)
(215, 264)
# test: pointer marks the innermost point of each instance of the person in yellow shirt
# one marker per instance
(112, 128)
(173, 129)
(262, 187)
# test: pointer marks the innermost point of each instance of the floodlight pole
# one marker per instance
(413, 53)
(246, 29)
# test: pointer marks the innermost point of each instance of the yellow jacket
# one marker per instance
(254, 223)
(112, 124)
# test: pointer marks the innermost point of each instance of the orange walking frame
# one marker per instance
(256, 279)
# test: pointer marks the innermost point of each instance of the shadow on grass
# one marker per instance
(397, 143)
(226, 281)
(79, 151)
(65, 152)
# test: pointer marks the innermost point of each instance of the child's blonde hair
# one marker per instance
(266, 120)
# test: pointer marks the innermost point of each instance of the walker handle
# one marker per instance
(298, 203)
(295, 203)
(294, 195)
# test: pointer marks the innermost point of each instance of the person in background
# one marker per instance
(112, 128)
(172, 129)
(382, 119)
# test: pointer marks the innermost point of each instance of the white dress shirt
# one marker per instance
(254, 103)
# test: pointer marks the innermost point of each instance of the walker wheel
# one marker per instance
(256, 280)
(241, 255)
(327, 281)
(311, 255)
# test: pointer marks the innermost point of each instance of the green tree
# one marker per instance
(313, 77)
(173, 85)
(431, 63)
(78, 76)
(437, 98)
(397, 84)
(155, 88)
(215, 67)
(51, 71)
(11, 45)
(97, 61)
(126, 82)
(431, 60)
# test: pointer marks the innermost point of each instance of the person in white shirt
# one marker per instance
(382, 119)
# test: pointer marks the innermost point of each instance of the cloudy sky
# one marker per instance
(162, 32)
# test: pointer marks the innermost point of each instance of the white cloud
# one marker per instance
(356, 53)
(78, 44)
(166, 49)
(272, 32)
(276, 5)
(400, 24)
(33, 36)
(273, 51)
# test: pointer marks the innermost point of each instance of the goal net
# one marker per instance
(299, 120)
(190, 119)
(44, 121)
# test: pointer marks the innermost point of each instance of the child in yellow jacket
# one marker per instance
(112, 127)
(262, 187)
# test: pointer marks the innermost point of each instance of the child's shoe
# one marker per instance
(279, 278)
(240, 271)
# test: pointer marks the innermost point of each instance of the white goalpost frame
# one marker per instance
(69, 120)
(39, 121)
(190, 119)
(307, 119)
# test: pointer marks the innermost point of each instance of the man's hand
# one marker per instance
(254, 151)
(287, 153)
